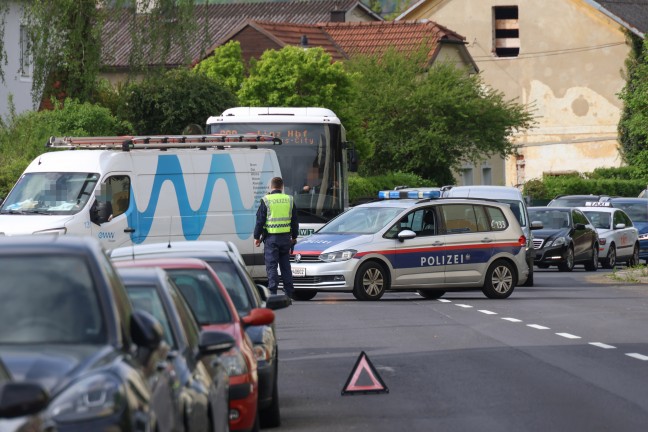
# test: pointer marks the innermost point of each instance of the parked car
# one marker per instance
(214, 310)
(199, 400)
(618, 239)
(504, 194)
(637, 210)
(228, 264)
(567, 238)
(428, 245)
(66, 324)
(575, 200)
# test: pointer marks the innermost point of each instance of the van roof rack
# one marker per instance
(127, 143)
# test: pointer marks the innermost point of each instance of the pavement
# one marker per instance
(633, 275)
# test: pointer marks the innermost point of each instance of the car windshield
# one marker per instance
(146, 298)
(49, 299)
(361, 220)
(205, 298)
(600, 220)
(571, 201)
(50, 193)
(551, 219)
(637, 211)
(234, 285)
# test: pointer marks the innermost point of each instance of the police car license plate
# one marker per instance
(298, 271)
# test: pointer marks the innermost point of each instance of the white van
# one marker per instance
(505, 194)
(137, 190)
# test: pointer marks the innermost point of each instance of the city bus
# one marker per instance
(314, 157)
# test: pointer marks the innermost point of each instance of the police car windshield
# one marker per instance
(361, 220)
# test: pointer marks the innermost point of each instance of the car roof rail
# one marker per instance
(127, 143)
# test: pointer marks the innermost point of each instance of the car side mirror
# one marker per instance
(214, 342)
(406, 235)
(259, 316)
(580, 226)
(146, 331)
(619, 226)
(264, 292)
(18, 399)
(536, 225)
(279, 301)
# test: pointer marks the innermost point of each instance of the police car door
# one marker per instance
(418, 262)
(110, 214)
(468, 236)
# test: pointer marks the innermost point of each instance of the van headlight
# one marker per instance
(343, 255)
(55, 231)
(92, 397)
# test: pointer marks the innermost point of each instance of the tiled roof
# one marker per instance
(291, 34)
(633, 14)
(215, 21)
(377, 37)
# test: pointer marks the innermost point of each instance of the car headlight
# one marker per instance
(559, 241)
(92, 397)
(55, 231)
(264, 351)
(343, 255)
(234, 362)
(643, 236)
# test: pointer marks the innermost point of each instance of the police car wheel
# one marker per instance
(500, 280)
(371, 281)
(431, 294)
(610, 259)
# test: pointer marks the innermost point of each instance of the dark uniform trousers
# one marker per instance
(277, 252)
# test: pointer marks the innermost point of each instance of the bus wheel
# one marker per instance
(371, 281)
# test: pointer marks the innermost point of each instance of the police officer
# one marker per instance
(277, 225)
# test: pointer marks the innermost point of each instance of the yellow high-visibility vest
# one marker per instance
(278, 213)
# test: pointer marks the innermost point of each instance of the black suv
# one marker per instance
(66, 323)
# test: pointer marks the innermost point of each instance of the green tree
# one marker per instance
(66, 45)
(169, 103)
(225, 66)
(430, 121)
(633, 126)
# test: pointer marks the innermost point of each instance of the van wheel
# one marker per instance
(371, 281)
(592, 264)
(634, 259)
(568, 264)
(610, 259)
(304, 295)
(430, 294)
(500, 280)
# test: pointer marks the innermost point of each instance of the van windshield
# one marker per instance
(50, 193)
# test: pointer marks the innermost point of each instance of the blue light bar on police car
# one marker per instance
(396, 194)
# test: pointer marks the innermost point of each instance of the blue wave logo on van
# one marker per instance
(193, 220)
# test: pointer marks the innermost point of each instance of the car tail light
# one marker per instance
(522, 240)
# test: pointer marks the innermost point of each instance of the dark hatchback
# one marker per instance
(245, 295)
(66, 324)
(567, 238)
(199, 400)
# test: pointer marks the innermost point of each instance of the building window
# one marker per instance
(487, 176)
(25, 54)
(506, 30)
(467, 176)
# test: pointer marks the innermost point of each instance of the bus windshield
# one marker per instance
(312, 161)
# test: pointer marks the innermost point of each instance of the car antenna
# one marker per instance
(170, 225)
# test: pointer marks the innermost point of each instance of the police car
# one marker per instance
(618, 238)
(409, 240)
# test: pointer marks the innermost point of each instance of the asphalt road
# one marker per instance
(569, 354)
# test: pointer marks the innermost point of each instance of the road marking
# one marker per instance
(512, 319)
(487, 312)
(445, 301)
(602, 345)
(463, 305)
(637, 356)
(568, 336)
(537, 326)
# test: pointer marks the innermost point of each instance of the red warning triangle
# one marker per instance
(363, 364)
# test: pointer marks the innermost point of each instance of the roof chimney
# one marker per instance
(338, 16)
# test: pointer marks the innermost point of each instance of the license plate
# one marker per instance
(298, 271)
